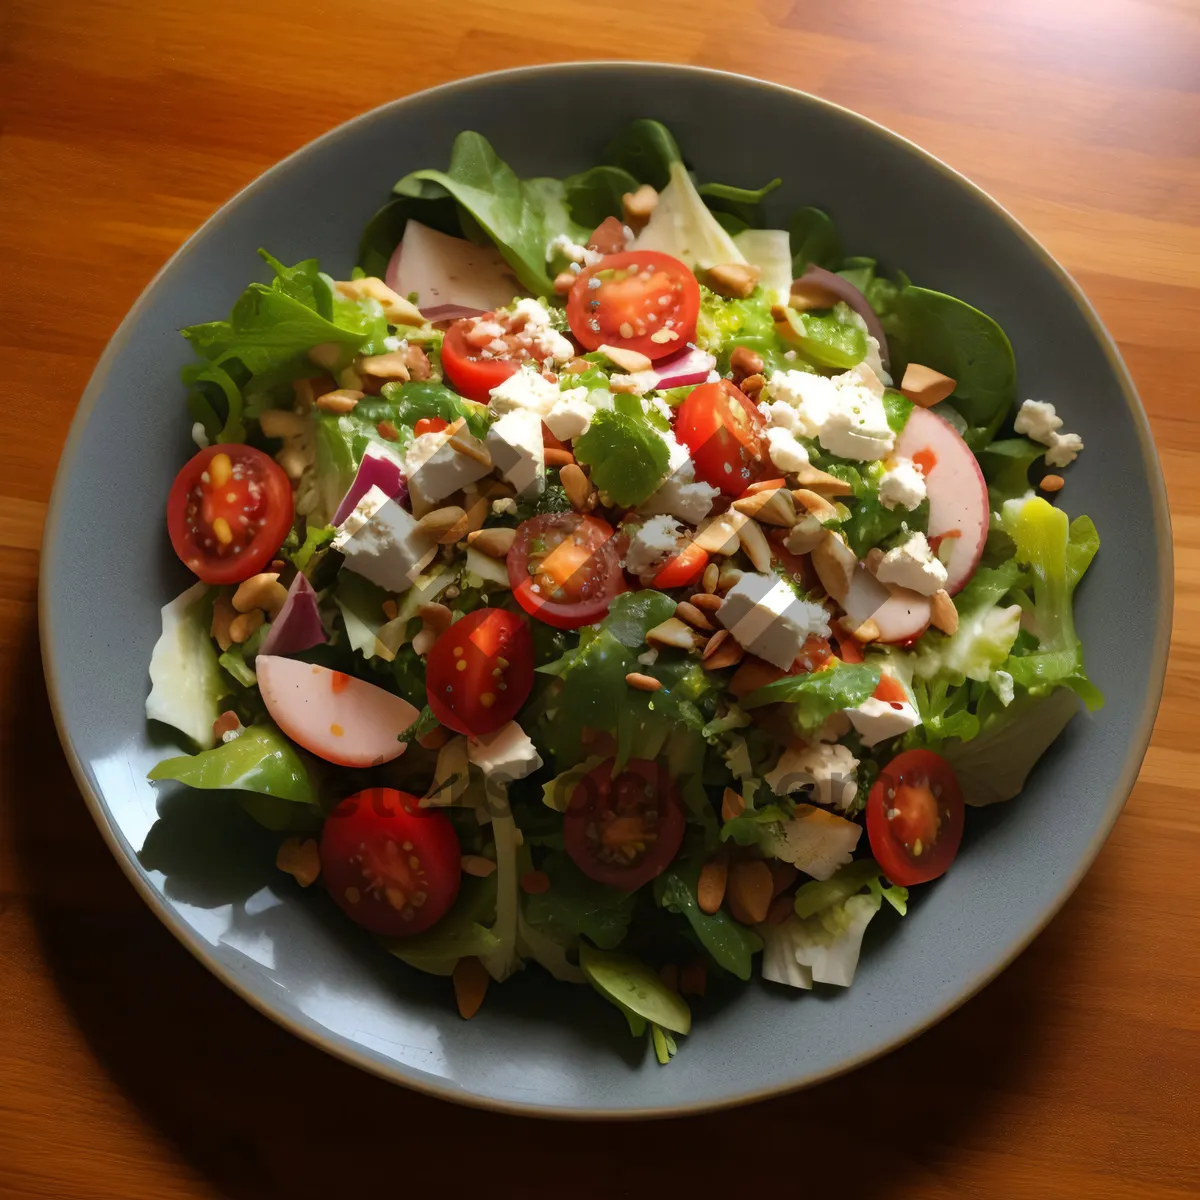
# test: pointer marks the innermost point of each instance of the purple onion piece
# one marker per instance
(843, 289)
(377, 469)
(298, 625)
(450, 312)
(688, 366)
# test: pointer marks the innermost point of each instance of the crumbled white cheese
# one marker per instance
(547, 342)
(390, 550)
(525, 389)
(506, 755)
(372, 501)
(681, 494)
(912, 565)
(826, 767)
(767, 618)
(877, 720)
(786, 453)
(1039, 421)
(391, 343)
(572, 251)
(845, 412)
(902, 485)
(652, 545)
(506, 504)
(779, 414)
(570, 416)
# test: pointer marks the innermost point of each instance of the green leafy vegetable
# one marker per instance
(627, 455)
(724, 324)
(315, 538)
(576, 906)
(596, 194)
(462, 933)
(818, 694)
(259, 760)
(417, 399)
(815, 240)
(1006, 466)
(645, 149)
(742, 203)
(636, 990)
(816, 897)
(827, 339)
(520, 216)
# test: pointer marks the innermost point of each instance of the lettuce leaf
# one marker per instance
(819, 694)
(576, 906)
(627, 454)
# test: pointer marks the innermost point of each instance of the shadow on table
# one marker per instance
(263, 1115)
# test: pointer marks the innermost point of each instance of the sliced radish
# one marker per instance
(446, 270)
(958, 499)
(902, 617)
(337, 717)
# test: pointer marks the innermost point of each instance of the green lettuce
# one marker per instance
(186, 681)
(575, 906)
(417, 399)
(815, 240)
(724, 324)
(462, 933)
(1057, 554)
(816, 695)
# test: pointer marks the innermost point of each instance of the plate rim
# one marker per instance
(353, 1053)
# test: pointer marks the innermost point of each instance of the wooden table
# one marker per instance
(125, 1069)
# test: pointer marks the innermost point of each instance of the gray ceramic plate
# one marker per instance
(538, 1047)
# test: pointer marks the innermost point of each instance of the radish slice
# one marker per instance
(446, 270)
(297, 626)
(958, 499)
(902, 617)
(843, 289)
(337, 717)
(379, 468)
(865, 596)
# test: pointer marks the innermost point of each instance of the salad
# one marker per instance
(602, 579)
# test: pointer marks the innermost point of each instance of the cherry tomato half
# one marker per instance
(390, 865)
(469, 373)
(565, 569)
(480, 671)
(915, 817)
(627, 298)
(228, 512)
(724, 432)
(430, 425)
(683, 569)
(624, 831)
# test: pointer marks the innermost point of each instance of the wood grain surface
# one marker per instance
(125, 1069)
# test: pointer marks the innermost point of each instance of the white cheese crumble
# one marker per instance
(681, 494)
(912, 565)
(786, 453)
(826, 767)
(653, 544)
(1039, 421)
(572, 251)
(844, 412)
(902, 485)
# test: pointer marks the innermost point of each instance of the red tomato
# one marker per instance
(608, 237)
(467, 371)
(228, 512)
(724, 432)
(624, 831)
(390, 865)
(849, 649)
(480, 671)
(637, 294)
(890, 690)
(684, 569)
(915, 817)
(565, 569)
(430, 425)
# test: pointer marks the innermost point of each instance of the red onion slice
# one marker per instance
(379, 468)
(843, 289)
(298, 625)
(450, 312)
(690, 365)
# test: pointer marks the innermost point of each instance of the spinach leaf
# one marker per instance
(1006, 466)
(947, 334)
(636, 990)
(743, 203)
(260, 760)
(732, 945)
(385, 229)
(870, 523)
(595, 194)
(815, 240)
(645, 149)
(575, 906)
(520, 216)
(462, 933)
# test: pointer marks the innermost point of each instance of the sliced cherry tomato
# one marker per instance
(627, 298)
(849, 649)
(724, 432)
(565, 568)
(915, 817)
(390, 865)
(624, 831)
(469, 373)
(480, 671)
(683, 569)
(430, 425)
(228, 512)
(890, 690)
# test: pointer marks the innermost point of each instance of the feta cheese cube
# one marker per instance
(912, 565)
(680, 494)
(435, 469)
(525, 389)
(374, 499)
(506, 755)
(389, 549)
(828, 769)
(518, 452)
(877, 720)
(570, 416)
(768, 619)
(902, 485)
(786, 453)
(652, 545)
